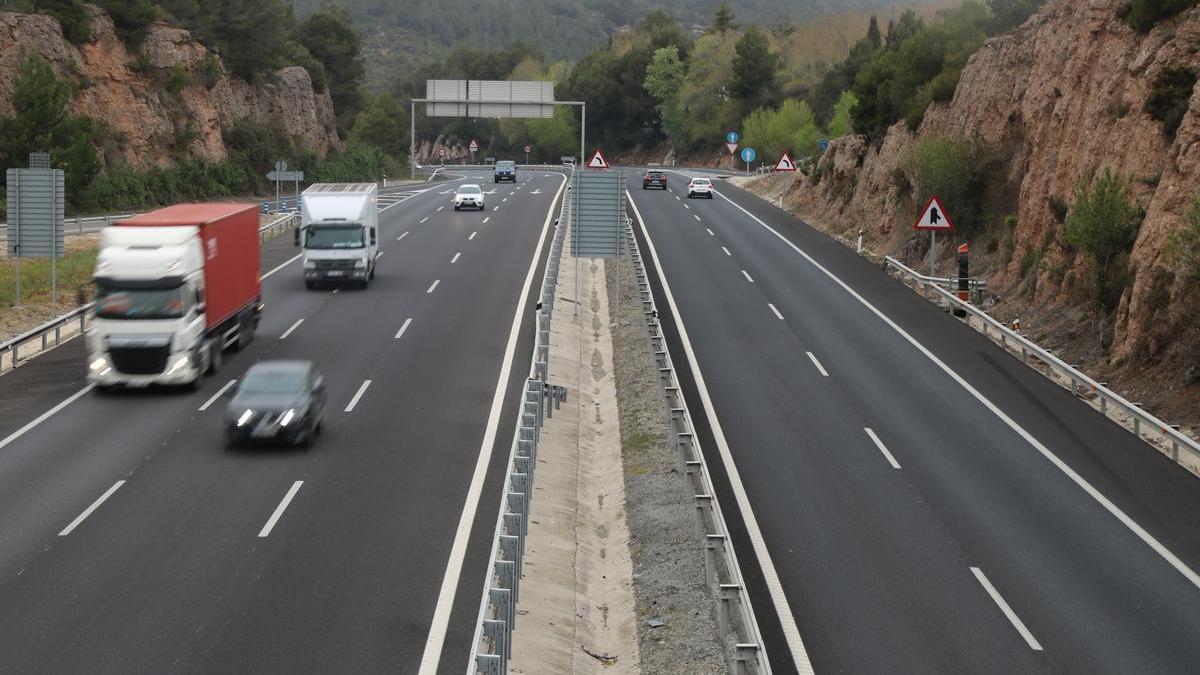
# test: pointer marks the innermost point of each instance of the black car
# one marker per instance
(280, 401)
(656, 179)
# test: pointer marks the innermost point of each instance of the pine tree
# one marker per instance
(723, 19)
(873, 33)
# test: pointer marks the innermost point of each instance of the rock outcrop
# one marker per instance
(147, 124)
(1058, 99)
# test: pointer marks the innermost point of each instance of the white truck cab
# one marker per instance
(339, 233)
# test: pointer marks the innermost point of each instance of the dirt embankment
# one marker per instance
(1056, 101)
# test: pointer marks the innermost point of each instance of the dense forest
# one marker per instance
(399, 34)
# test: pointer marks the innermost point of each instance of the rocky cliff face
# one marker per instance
(151, 126)
(1058, 99)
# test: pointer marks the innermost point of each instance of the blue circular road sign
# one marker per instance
(732, 137)
(824, 143)
(748, 155)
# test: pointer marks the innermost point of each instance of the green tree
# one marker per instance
(664, 78)
(1170, 96)
(1185, 242)
(1104, 223)
(1008, 14)
(955, 169)
(71, 16)
(383, 124)
(131, 17)
(330, 36)
(754, 67)
(1144, 14)
(42, 123)
(704, 99)
(842, 122)
(873, 34)
(723, 19)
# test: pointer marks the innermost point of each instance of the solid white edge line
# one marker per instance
(455, 258)
(1062, 466)
(775, 310)
(362, 389)
(288, 332)
(433, 286)
(748, 277)
(1008, 611)
(88, 511)
(287, 499)
(726, 251)
(813, 357)
(220, 392)
(882, 448)
(46, 415)
(787, 620)
(432, 654)
(407, 323)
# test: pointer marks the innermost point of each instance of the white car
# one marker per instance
(468, 196)
(700, 187)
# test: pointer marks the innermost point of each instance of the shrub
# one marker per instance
(1104, 223)
(71, 16)
(1185, 242)
(957, 170)
(177, 79)
(210, 71)
(1144, 14)
(1169, 96)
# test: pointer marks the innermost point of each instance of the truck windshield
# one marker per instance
(341, 236)
(114, 302)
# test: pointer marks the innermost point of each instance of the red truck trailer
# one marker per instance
(159, 272)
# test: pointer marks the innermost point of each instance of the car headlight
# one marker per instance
(179, 363)
(310, 264)
(287, 417)
(245, 418)
(359, 264)
(98, 364)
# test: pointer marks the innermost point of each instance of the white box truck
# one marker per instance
(339, 225)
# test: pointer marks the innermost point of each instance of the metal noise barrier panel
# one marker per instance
(491, 646)
(735, 616)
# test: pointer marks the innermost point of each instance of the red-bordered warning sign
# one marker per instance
(785, 163)
(934, 217)
(597, 161)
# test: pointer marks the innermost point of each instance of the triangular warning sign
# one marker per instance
(785, 163)
(597, 161)
(473, 146)
(934, 217)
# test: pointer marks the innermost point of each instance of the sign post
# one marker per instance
(281, 176)
(748, 155)
(934, 218)
(473, 147)
(442, 155)
(528, 149)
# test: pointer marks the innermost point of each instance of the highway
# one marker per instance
(926, 502)
(132, 541)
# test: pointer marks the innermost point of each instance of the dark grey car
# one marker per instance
(280, 401)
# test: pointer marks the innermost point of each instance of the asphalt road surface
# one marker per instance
(927, 502)
(132, 541)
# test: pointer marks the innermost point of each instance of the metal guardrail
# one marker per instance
(12, 347)
(735, 616)
(79, 225)
(1145, 426)
(491, 647)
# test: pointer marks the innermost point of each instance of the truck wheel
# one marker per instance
(215, 354)
(245, 334)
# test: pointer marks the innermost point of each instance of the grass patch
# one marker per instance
(74, 277)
